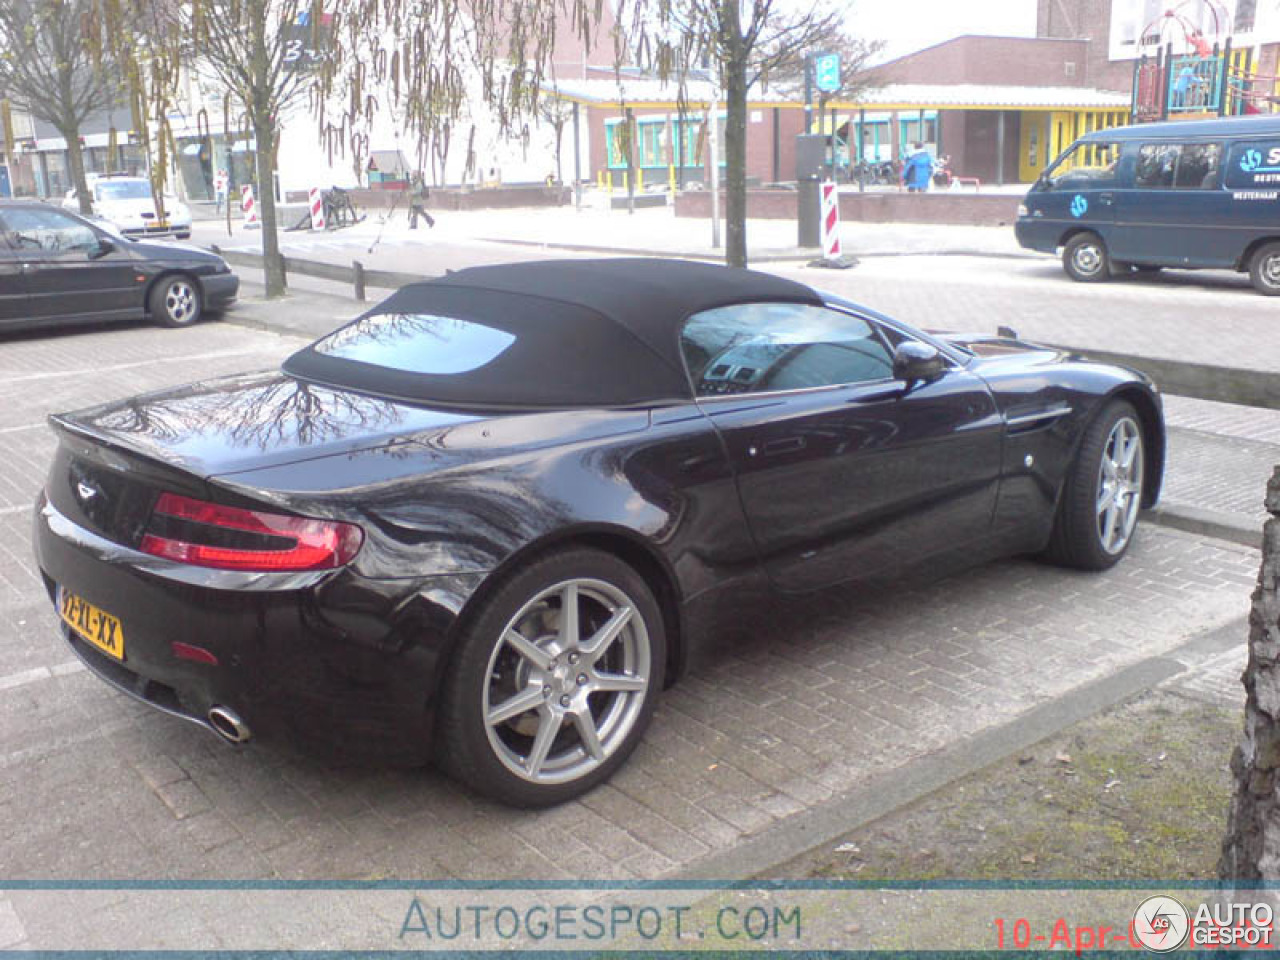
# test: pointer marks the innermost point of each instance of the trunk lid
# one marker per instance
(249, 422)
(114, 460)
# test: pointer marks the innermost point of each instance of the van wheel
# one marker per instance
(1085, 259)
(1264, 270)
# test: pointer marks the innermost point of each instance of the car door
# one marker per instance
(67, 270)
(1176, 214)
(1081, 188)
(843, 471)
(13, 288)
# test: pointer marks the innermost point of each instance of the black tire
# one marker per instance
(1264, 269)
(1085, 259)
(1079, 529)
(183, 236)
(498, 758)
(175, 301)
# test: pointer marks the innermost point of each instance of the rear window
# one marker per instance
(418, 343)
(1254, 164)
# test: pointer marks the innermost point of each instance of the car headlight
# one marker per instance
(1022, 210)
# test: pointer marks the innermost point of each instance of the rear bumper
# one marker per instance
(220, 289)
(333, 663)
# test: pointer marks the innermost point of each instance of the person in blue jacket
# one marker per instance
(917, 169)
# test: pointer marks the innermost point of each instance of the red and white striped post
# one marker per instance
(316, 198)
(830, 220)
(250, 206)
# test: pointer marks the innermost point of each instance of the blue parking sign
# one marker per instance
(826, 68)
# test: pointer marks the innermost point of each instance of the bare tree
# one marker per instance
(50, 68)
(742, 42)
(419, 60)
(251, 47)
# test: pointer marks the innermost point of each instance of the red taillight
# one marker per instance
(230, 538)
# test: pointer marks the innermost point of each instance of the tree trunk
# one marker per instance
(735, 139)
(262, 114)
(1251, 849)
(70, 131)
(559, 128)
(272, 265)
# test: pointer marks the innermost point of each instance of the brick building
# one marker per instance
(1001, 107)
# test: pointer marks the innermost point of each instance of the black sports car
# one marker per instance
(56, 267)
(494, 513)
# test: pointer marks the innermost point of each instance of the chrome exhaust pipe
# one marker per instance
(227, 724)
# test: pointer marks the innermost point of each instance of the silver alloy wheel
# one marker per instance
(1119, 485)
(1271, 270)
(1087, 258)
(180, 301)
(567, 681)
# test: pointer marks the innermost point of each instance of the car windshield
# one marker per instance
(123, 190)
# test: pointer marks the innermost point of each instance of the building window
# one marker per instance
(1246, 10)
(652, 138)
(912, 132)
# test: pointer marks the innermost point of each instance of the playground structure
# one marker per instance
(1207, 78)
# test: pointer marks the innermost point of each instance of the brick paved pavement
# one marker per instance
(822, 696)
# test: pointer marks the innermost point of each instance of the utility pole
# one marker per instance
(808, 93)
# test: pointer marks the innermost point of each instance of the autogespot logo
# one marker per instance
(1251, 160)
(1160, 924)
(1079, 206)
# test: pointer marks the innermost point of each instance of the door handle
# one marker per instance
(887, 392)
(1107, 197)
(783, 445)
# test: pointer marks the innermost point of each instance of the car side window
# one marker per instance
(49, 231)
(1156, 162)
(764, 347)
(1178, 166)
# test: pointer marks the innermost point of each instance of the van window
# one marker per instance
(1086, 164)
(1254, 164)
(1178, 166)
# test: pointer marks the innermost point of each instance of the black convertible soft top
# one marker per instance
(551, 333)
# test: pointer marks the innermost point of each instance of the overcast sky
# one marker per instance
(909, 25)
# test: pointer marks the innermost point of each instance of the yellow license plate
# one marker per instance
(93, 623)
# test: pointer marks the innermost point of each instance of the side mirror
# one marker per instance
(914, 361)
(105, 246)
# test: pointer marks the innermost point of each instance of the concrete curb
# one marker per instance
(1207, 523)
(759, 256)
(846, 812)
